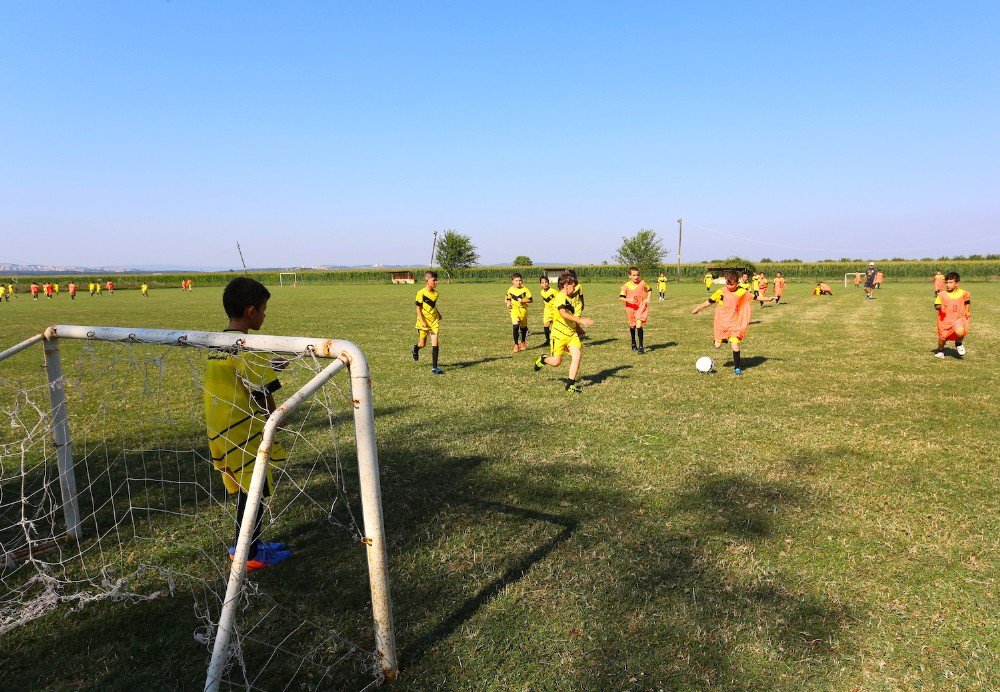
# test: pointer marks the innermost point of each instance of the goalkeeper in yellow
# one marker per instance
(239, 397)
(517, 299)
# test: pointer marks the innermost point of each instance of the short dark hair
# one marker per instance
(543, 278)
(566, 278)
(953, 276)
(516, 275)
(571, 272)
(633, 269)
(730, 276)
(430, 273)
(241, 293)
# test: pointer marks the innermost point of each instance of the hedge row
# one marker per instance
(912, 270)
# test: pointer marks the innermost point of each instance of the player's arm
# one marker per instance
(701, 307)
(649, 292)
(420, 316)
(938, 304)
(570, 317)
(968, 308)
(621, 296)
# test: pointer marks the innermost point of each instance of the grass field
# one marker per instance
(828, 520)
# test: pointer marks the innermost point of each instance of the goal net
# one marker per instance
(108, 494)
(288, 279)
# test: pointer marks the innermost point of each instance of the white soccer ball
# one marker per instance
(704, 364)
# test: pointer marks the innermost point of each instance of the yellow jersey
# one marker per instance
(236, 387)
(576, 299)
(518, 310)
(549, 298)
(561, 327)
(661, 285)
(427, 301)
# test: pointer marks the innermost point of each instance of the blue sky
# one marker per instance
(346, 133)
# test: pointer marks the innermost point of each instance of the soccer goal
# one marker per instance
(849, 276)
(288, 279)
(108, 493)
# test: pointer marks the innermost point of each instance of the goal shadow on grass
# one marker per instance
(667, 594)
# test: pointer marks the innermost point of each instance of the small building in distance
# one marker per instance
(401, 277)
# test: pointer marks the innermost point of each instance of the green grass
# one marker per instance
(829, 520)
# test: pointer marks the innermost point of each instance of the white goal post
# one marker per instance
(288, 278)
(341, 354)
(849, 276)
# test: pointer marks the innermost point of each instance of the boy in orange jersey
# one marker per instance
(857, 279)
(954, 308)
(34, 291)
(732, 315)
(635, 294)
(72, 290)
(779, 287)
(879, 277)
(48, 291)
(938, 282)
(822, 289)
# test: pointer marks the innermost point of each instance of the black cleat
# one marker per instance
(416, 352)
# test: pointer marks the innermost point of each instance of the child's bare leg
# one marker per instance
(576, 353)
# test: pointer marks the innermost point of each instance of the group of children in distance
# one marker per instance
(51, 290)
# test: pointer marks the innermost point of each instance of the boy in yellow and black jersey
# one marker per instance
(428, 319)
(239, 396)
(517, 300)
(548, 295)
(566, 333)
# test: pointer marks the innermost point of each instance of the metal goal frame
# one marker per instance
(342, 354)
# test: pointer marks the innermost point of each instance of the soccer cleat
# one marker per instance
(635, 348)
(270, 545)
(524, 346)
(642, 349)
(737, 371)
(437, 371)
(574, 389)
(266, 556)
(939, 354)
(416, 352)
(961, 350)
(539, 363)
(516, 348)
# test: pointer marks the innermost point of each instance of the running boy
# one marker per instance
(34, 291)
(954, 311)
(145, 289)
(428, 320)
(708, 281)
(548, 295)
(779, 287)
(239, 396)
(72, 290)
(732, 315)
(566, 333)
(661, 285)
(938, 282)
(635, 294)
(517, 299)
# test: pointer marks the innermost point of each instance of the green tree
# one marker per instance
(455, 251)
(522, 261)
(644, 250)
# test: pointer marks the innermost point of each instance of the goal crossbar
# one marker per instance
(343, 354)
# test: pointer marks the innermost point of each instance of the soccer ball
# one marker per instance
(704, 364)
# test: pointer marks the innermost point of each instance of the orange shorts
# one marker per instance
(637, 316)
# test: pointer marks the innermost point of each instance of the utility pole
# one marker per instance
(680, 234)
(433, 250)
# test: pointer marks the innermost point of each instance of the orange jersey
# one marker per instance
(732, 313)
(34, 289)
(72, 289)
(878, 277)
(634, 294)
(779, 286)
(938, 282)
(825, 288)
(857, 278)
(953, 311)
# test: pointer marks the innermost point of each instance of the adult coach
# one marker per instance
(870, 281)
